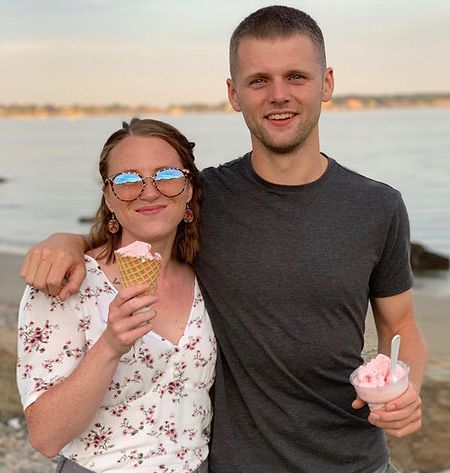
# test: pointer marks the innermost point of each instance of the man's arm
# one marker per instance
(56, 265)
(394, 315)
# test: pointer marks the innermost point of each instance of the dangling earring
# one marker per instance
(188, 215)
(113, 224)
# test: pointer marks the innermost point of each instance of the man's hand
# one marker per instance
(399, 417)
(56, 265)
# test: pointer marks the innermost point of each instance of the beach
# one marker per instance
(426, 451)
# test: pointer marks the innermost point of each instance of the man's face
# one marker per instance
(279, 85)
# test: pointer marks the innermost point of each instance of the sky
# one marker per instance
(161, 52)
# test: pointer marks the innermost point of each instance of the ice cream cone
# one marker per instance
(134, 270)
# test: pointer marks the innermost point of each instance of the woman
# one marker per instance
(86, 393)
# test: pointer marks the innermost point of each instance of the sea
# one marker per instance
(49, 178)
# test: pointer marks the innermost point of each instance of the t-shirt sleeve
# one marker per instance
(51, 342)
(392, 275)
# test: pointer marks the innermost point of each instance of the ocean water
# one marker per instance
(50, 165)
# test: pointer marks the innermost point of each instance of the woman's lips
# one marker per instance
(150, 209)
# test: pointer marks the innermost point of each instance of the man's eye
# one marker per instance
(257, 82)
(297, 77)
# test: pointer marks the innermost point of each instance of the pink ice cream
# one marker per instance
(377, 372)
(139, 249)
(373, 381)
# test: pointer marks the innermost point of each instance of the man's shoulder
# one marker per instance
(228, 169)
(359, 184)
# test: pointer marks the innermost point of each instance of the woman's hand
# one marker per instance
(126, 322)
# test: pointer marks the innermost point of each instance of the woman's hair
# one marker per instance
(188, 235)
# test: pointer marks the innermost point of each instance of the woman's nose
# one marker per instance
(150, 191)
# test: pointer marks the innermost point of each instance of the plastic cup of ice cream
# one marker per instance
(373, 384)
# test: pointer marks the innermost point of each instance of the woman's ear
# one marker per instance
(189, 192)
(107, 200)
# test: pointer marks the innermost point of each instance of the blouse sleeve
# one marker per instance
(51, 342)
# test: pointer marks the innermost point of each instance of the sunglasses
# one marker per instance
(128, 186)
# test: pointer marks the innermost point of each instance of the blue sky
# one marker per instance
(176, 51)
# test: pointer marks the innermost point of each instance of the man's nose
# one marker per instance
(279, 91)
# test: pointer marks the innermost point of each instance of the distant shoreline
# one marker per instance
(344, 102)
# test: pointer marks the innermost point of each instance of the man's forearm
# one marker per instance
(412, 350)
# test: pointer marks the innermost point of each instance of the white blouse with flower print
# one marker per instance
(156, 413)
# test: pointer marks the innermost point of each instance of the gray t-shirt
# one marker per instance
(286, 272)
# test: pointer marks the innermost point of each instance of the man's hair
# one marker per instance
(277, 21)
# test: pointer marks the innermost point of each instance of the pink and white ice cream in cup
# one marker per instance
(373, 382)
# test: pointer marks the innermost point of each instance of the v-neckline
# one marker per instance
(152, 332)
(182, 336)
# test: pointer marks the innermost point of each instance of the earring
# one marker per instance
(188, 215)
(113, 224)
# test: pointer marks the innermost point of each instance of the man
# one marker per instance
(294, 248)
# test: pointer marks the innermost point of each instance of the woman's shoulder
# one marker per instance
(93, 268)
(96, 282)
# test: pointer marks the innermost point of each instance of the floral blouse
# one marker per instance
(156, 413)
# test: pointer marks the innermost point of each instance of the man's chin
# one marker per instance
(282, 148)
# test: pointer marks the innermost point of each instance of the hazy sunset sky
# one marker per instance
(176, 51)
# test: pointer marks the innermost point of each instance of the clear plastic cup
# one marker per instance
(376, 397)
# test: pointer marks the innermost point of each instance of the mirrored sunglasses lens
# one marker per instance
(127, 186)
(170, 182)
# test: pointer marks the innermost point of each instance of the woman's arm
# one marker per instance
(56, 265)
(67, 407)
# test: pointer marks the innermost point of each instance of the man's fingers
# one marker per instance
(358, 403)
(395, 419)
(60, 267)
(410, 398)
(410, 428)
(74, 280)
(41, 277)
(25, 266)
(32, 264)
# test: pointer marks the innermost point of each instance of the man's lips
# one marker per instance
(280, 117)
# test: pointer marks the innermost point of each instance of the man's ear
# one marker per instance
(233, 96)
(328, 85)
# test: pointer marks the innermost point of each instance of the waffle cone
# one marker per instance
(134, 270)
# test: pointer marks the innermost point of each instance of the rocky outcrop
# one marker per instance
(423, 260)
(89, 220)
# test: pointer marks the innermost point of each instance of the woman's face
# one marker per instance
(152, 217)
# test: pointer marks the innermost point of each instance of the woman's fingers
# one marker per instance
(128, 329)
(128, 293)
(130, 315)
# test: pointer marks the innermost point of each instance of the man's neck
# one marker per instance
(295, 168)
